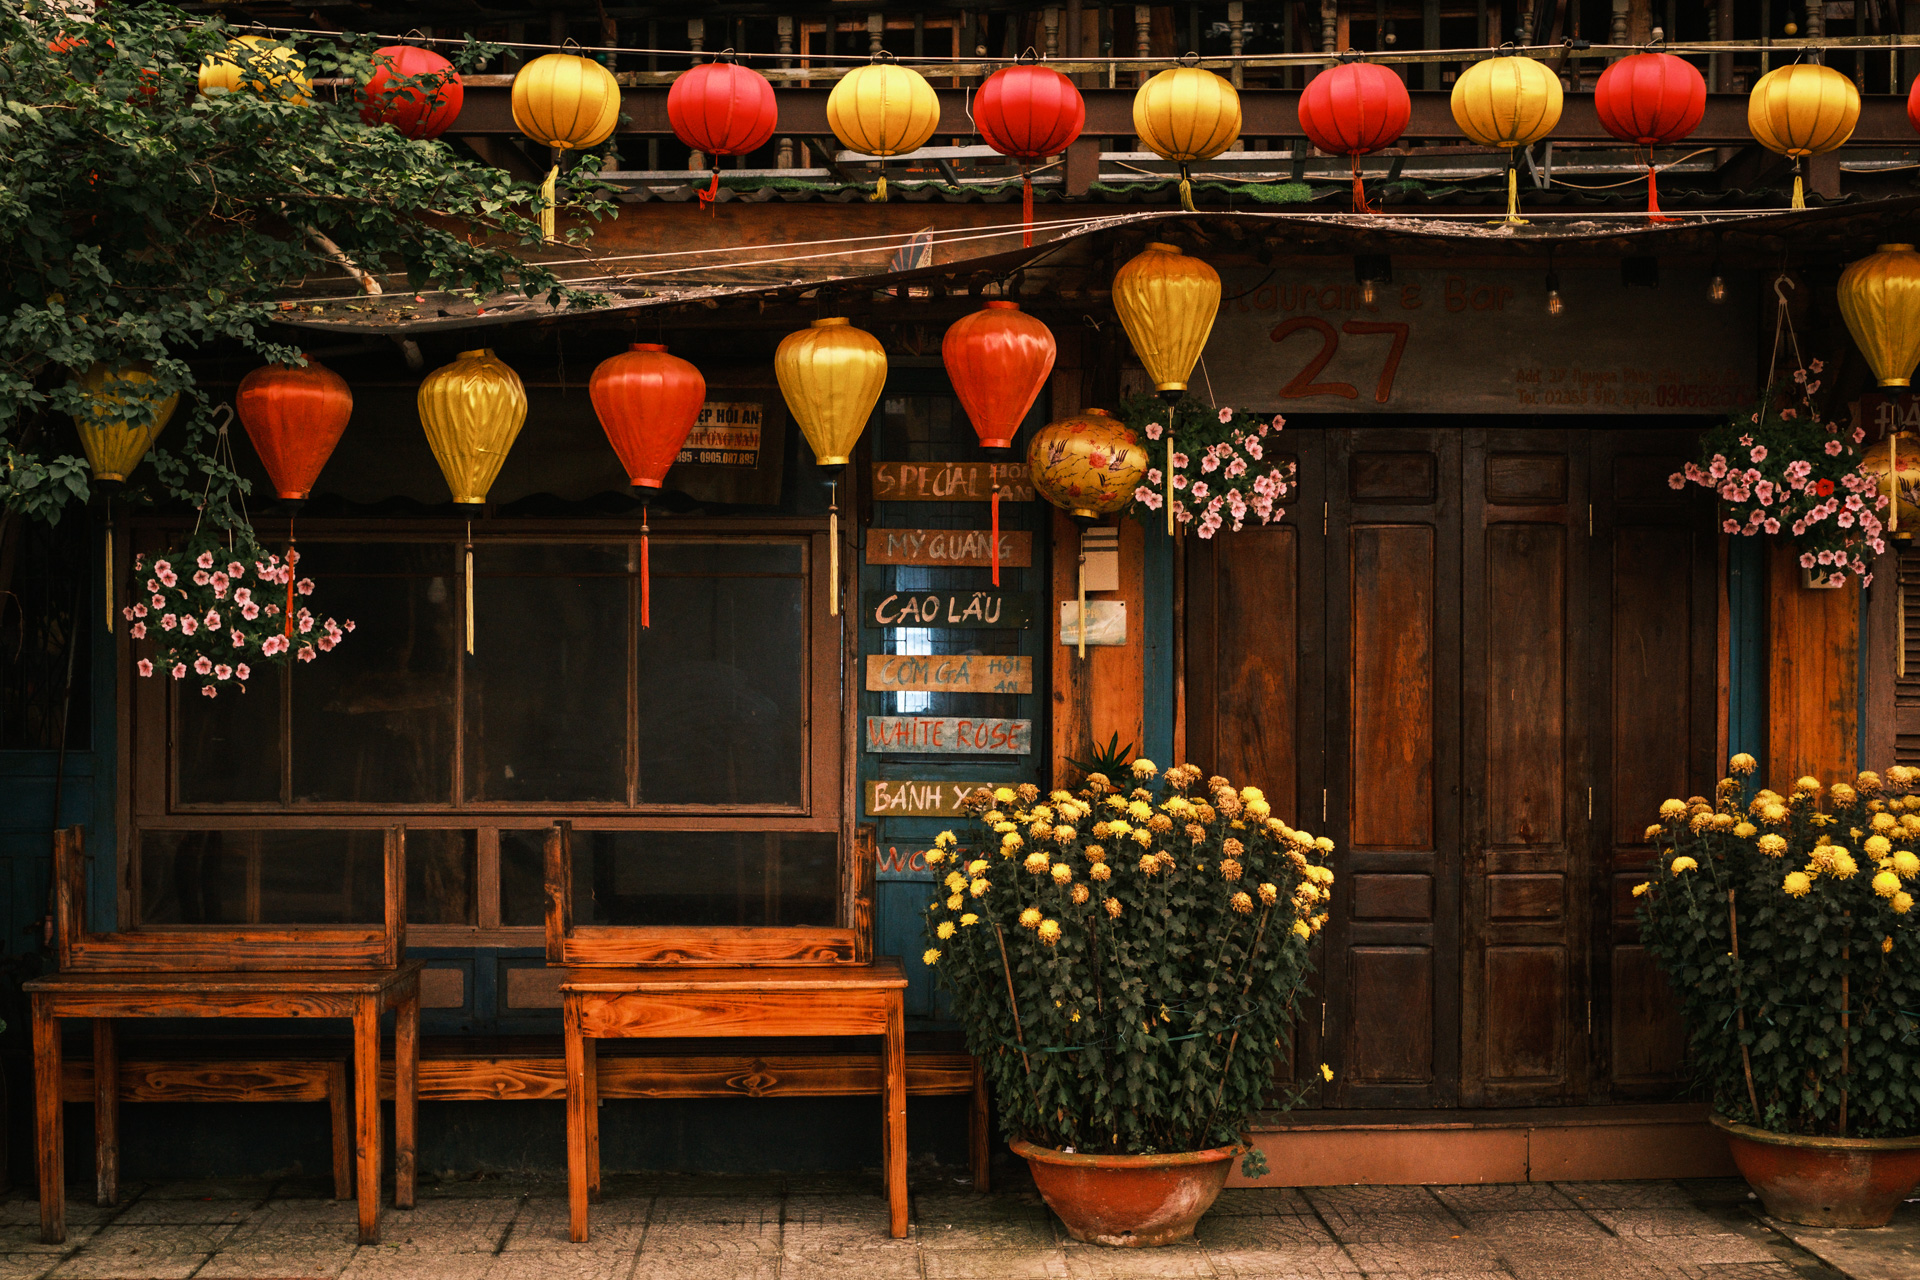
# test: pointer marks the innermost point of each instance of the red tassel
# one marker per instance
(1653, 196)
(646, 582)
(712, 193)
(1360, 204)
(996, 532)
(1026, 211)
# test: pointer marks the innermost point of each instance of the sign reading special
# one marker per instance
(1436, 340)
(949, 735)
(726, 434)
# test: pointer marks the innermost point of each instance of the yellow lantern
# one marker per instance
(566, 102)
(473, 410)
(1507, 103)
(1167, 302)
(883, 109)
(124, 414)
(1895, 462)
(240, 65)
(831, 376)
(1185, 114)
(1802, 110)
(1880, 301)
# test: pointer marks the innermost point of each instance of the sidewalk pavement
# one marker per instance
(832, 1227)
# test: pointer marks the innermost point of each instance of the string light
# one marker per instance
(1554, 304)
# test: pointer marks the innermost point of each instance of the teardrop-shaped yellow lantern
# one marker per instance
(473, 410)
(1880, 301)
(567, 102)
(115, 441)
(285, 70)
(831, 376)
(883, 109)
(1508, 103)
(1185, 114)
(1802, 110)
(1167, 303)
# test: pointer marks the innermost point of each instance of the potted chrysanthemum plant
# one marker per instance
(1125, 961)
(1787, 931)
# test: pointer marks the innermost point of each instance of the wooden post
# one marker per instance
(340, 1126)
(106, 1113)
(577, 1119)
(50, 1144)
(406, 1095)
(894, 1096)
(366, 1104)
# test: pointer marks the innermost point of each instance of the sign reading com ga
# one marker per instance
(1480, 341)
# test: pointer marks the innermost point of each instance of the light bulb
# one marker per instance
(1367, 293)
(1554, 305)
(1717, 288)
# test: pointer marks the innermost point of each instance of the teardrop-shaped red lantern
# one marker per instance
(294, 415)
(723, 109)
(1352, 110)
(1028, 112)
(998, 359)
(1913, 105)
(1650, 100)
(424, 109)
(647, 401)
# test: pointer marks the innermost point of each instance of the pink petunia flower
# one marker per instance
(208, 691)
(169, 622)
(179, 671)
(138, 631)
(203, 664)
(205, 560)
(1759, 453)
(305, 585)
(223, 672)
(236, 570)
(200, 578)
(144, 666)
(250, 611)
(243, 671)
(1153, 430)
(1226, 416)
(1833, 448)
(188, 624)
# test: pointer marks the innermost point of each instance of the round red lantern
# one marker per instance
(1913, 105)
(425, 108)
(294, 414)
(1352, 110)
(723, 109)
(1650, 100)
(647, 402)
(1028, 112)
(998, 358)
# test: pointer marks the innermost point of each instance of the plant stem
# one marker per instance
(1226, 1067)
(1740, 1007)
(1846, 957)
(1013, 1003)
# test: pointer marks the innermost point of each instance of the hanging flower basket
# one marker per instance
(219, 606)
(1217, 460)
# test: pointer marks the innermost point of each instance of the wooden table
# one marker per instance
(359, 995)
(687, 1003)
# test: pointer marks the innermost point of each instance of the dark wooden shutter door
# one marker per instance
(1906, 684)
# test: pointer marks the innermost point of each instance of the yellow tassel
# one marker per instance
(1186, 191)
(880, 187)
(469, 593)
(1083, 593)
(546, 209)
(1513, 196)
(1893, 477)
(833, 563)
(1799, 191)
(1169, 471)
(110, 576)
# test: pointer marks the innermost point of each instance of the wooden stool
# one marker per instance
(359, 995)
(799, 1001)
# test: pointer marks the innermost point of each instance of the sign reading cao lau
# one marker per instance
(984, 609)
(943, 735)
(1448, 341)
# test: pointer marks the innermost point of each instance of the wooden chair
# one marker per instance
(351, 973)
(699, 983)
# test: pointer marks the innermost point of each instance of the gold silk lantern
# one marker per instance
(1895, 463)
(123, 414)
(1167, 302)
(830, 376)
(240, 66)
(883, 109)
(1880, 301)
(1185, 114)
(568, 103)
(1802, 110)
(473, 410)
(1507, 103)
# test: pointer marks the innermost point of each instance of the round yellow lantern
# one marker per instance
(883, 109)
(124, 413)
(1507, 103)
(242, 64)
(1880, 301)
(566, 102)
(1800, 111)
(473, 410)
(1167, 302)
(1088, 465)
(1185, 114)
(830, 376)
(1895, 461)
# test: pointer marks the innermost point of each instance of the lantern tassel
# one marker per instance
(1083, 593)
(109, 570)
(996, 529)
(1513, 194)
(880, 186)
(833, 553)
(1026, 207)
(1186, 191)
(1893, 482)
(287, 629)
(1360, 204)
(469, 587)
(547, 221)
(1799, 188)
(1653, 195)
(711, 195)
(646, 582)
(1169, 472)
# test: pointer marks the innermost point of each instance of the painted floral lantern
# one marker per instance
(1895, 462)
(1088, 465)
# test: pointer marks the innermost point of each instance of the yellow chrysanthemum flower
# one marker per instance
(1683, 863)
(1653, 832)
(1100, 871)
(1326, 1073)
(1325, 845)
(977, 867)
(1843, 866)
(1011, 841)
(1004, 795)
(1774, 814)
(1119, 827)
(1148, 864)
(1905, 864)
(1743, 763)
(1030, 918)
(1142, 837)
(1117, 801)
(945, 930)
(1797, 884)
(1641, 888)
(1037, 862)
(1080, 895)
(945, 840)
(1064, 833)
(1808, 785)
(1061, 872)
(956, 882)
(1886, 884)
(1772, 845)
(979, 887)
(1722, 822)
(1877, 846)
(1903, 902)
(1673, 808)
(1113, 908)
(1269, 894)
(1843, 794)
(1242, 903)
(1003, 827)
(930, 957)
(1139, 810)
(1144, 768)
(1302, 928)
(1744, 830)
(1049, 932)
(969, 919)
(953, 903)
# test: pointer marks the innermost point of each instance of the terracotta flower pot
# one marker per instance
(1129, 1200)
(1825, 1182)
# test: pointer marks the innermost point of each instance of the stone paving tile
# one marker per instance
(262, 1234)
(762, 1239)
(143, 1253)
(1238, 1201)
(255, 1189)
(1449, 1256)
(859, 1208)
(1539, 1258)
(1021, 1233)
(992, 1264)
(551, 1233)
(554, 1264)
(81, 1210)
(1247, 1234)
(1356, 1226)
(1304, 1262)
(25, 1266)
(737, 1210)
(692, 1267)
(1625, 1195)
(605, 1213)
(1657, 1224)
(381, 1262)
(880, 1264)
(26, 1239)
(1728, 1247)
(241, 1264)
(1097, 1262)
(1355, 1199)
(161, 1211)
(1562, 1224)
(310, 1212)
(1508, 1197)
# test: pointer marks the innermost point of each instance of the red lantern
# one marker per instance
(647, 401)
(1913, 105)
(424, 109)
(1650, 100)
(723, 109)
(1029, 113)
(294, 415)
(1354, 109)
(998, 358)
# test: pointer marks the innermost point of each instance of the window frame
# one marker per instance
(147, 739)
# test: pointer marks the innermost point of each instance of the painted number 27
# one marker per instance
(1303, 384)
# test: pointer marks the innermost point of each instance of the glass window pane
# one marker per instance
(442, 877)
(262, 877)
(227, 749)
(373, 720)
(547, 684)
(523, 877)
(631, 878)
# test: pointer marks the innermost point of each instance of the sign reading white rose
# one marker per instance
(211, 610)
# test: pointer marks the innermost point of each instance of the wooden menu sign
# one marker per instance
(990, 609)
(950, 481)
(959, 548)
(944, 735)
(948, 673)
(914, 799)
